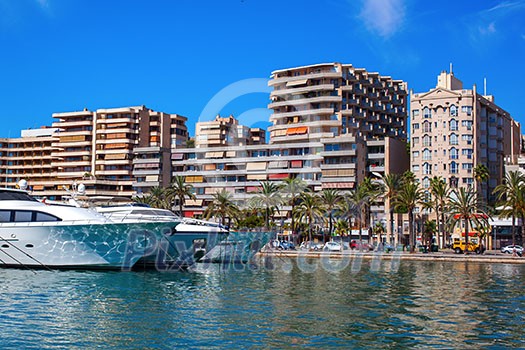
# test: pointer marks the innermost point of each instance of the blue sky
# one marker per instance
(178, 55)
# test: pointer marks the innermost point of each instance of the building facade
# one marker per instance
(113, 152)
(455, 129)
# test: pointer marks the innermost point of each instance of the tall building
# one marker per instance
(114, 152)
(334, 99)
(455, 129)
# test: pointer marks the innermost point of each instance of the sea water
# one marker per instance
(273, 303)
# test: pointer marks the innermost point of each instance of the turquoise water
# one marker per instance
(271, 305)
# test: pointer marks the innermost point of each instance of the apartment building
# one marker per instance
(224, 131)
(113, 152)
(454, 129)
(29, 157)
(334, 99)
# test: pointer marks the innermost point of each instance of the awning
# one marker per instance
(230, 154)
(278, 164)
(297, 131)
(210, 166)
(256, 166)
(152, 178)
(177, 156)
(214, 155)
(297, 82)
(193, 202)
(251, 189)
(256, 177)
(194, 179)
(116, 156)
(296, 163)
(338, 185)
(277, 176)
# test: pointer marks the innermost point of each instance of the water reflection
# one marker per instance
(418, 304)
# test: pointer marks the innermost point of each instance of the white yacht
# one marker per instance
(35, 234)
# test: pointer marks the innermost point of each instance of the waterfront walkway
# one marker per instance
(443, 255)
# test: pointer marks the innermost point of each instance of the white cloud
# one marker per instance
(383, 17)
(489, 29)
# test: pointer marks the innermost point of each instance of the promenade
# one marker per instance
(490, 256)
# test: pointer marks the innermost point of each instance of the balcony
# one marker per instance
(326, 74)
(302, 113)
(302, 90)
(306, 100)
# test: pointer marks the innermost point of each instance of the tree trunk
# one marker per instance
(513, 229)
(466, 236)
(392, 226)
(411, 238)
(361, 236)
(331, 226)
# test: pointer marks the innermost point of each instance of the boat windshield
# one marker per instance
(15, 196)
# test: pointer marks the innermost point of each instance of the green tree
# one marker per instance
(269, 197)
(358, 200)
(331, 198)
(408, 198)
(292, 189)
(222, 206)
(465, 207)
(440, 193)
(158, 197)
(180, 190)
(481, 174)
(309, 209)
(390, 184)
(510, 198)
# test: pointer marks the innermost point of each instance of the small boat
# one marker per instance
(38, 235)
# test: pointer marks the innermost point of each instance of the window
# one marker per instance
(467, 138)
(427, 169)
(453, 168)
(415, 154)
(415, 126)
(467, 152)
(467, 110)
(427, 127)
(427, 141)
(415, 113)
(426, 182)
(453, 139)
(427, 112)
(415, 168)
(453, 153)
(453, 125)
(427, 154)
(453, 111)
(468, 180)
(467, 167)
(415, 140)
(467, 124)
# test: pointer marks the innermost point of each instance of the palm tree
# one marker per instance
(158, 197)
(180, 190)
(390, 185)
(269, 197)
(510, 198)
(358, 200)
(440, 194)
(465, 207)
(408, 197)
(222, 206)
(292, 189)
(309, 209)
(331, 199)
(481, 174)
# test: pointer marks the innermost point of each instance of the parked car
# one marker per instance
(309, 245)
(284, 245)
(333, 247)
(354, 245)
(510, 249)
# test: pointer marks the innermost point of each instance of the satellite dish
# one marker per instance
(81, 189)
(22, 184)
